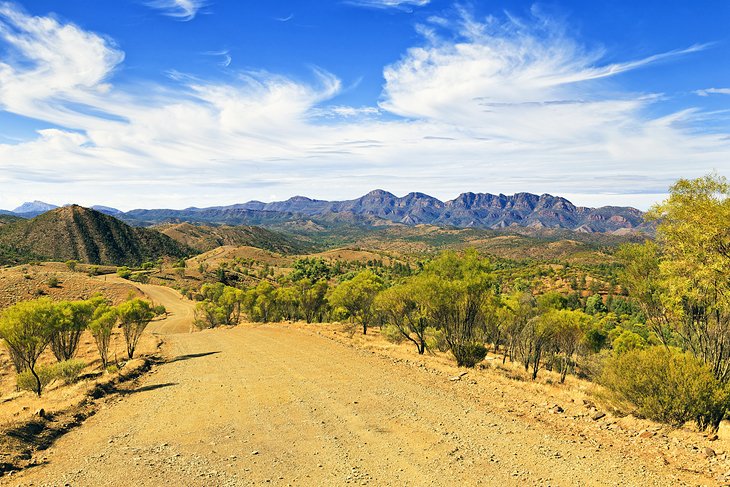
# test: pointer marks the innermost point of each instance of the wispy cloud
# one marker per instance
(713, 91)
(284, 19)
(224, 55)
(478, 105)
(389, 4)
(180, 9)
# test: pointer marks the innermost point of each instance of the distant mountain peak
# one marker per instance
(34, 208)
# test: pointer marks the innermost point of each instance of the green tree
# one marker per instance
(101, 326)
(221, 305)
(357, 295)
(312, 298)
(27, 328)
(134, 316)
(402, 306)
(460, 286)
(74, 317)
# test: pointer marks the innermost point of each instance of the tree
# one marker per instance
(259, 302)
(134, 316)
(101, 326)
(402, 306)
(27, 328)
(357, 295)
(74, 317)
(569, 328)
(221, 305)
(459, 287)
(312, 298)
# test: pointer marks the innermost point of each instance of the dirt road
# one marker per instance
(270, 405)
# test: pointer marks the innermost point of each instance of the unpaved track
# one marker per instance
(275, 406)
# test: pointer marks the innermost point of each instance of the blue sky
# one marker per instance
(173, 103)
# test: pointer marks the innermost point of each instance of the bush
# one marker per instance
(69, 370)
(53, 281)
(666, 385)
(392, 334)
(124, 272)
(436, 340)
(469, 354)
(26, 382)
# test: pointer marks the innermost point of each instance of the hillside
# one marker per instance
(205, 238)
(77, 233)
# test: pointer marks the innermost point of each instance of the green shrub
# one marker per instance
(469, 354)
(436, 340)
(112, 369)
(26, 382)
(69, 370)
(392, 334)
(666, 385)
(124, 272)
(53, 281)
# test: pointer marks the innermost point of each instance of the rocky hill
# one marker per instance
(205, 237)
(86, 235)
(381, 208)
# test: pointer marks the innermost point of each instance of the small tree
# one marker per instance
(101, 326)
(71, 264)
(27, 328)
(456, 295)
(73, 319)
(312, 298)
(357, 296)
(134, 316)
(401, 307)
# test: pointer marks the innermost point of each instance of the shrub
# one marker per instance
(124, 272)
(436, 340)
(69, 370)
(53, 281)
(392, 334)
(666, 385)
(46, 374)
(469, 354)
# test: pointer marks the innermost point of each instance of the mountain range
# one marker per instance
(381, 208)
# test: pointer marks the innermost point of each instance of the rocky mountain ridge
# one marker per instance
(382, 208)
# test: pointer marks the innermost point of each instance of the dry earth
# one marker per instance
(296, 405)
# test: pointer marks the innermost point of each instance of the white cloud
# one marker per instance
(180, 9)
(388, 4)
(713, 91)
(505, 107)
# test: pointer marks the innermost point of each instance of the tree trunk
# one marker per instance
(37, 380)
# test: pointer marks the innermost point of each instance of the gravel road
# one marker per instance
(269, 405)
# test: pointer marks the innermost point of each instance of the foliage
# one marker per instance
(667, 385)
(44, 376)
(124, 272)
(455, 292)
(73, 320)
(27, 328)
(221, 305)
(357, 295)
(103, 322)
(405, 312)
(69, 370)
(134, 316)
